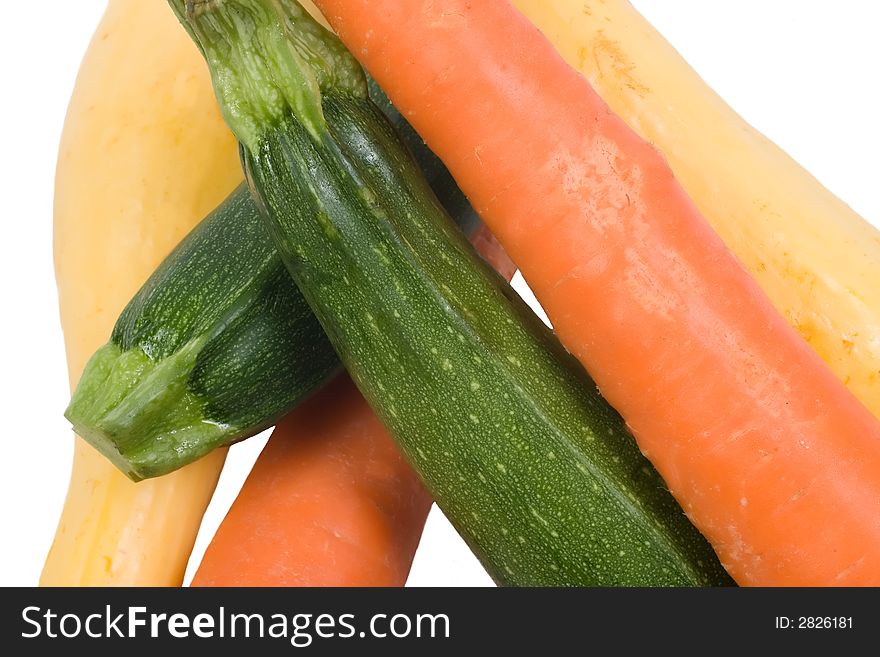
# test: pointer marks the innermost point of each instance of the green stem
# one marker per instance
(268, 58)
(128, 403)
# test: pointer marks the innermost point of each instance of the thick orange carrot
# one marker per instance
(770, 456)
(330, 501)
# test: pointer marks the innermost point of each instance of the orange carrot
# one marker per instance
(768, 453)
(330, 501)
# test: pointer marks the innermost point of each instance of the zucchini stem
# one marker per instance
(130, 401)
(268, 58)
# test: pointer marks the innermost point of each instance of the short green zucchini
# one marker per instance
(531, 465)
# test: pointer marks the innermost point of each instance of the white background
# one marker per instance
(803, 72)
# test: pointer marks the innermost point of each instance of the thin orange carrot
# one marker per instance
(330, 501)
(768, 453)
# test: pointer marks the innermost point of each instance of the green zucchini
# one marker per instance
(218, 344)
(530, 464)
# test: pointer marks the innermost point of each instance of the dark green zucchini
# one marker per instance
(531, 465)
(219, 343)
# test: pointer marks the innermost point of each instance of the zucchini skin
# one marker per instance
(219, 343)
(533, 468)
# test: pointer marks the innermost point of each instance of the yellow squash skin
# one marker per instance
(817, 260)
(144, 156)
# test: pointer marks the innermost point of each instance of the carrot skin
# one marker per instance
(330, 502)
(768, 453)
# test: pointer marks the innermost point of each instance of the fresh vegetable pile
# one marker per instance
(540, 446)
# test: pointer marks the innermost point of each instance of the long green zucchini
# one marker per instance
(534, 469)
(219, 343)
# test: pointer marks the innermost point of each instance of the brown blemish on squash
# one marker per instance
(608, 51)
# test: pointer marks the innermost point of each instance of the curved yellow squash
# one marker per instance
(817, 260)
(144, 156)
